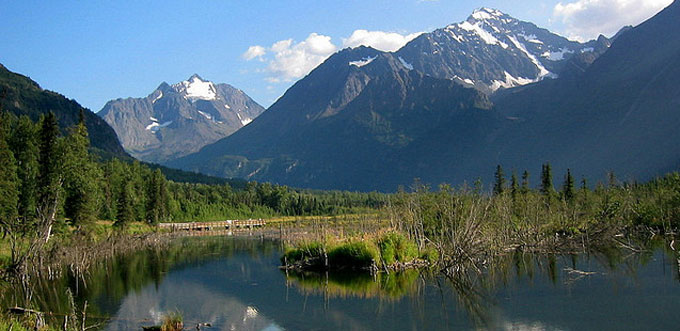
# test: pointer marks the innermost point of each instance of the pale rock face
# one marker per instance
(179, 119)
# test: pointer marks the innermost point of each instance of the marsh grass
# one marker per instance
(172, 321)
(354, 255)
(471, 228)
(386, 250)
(395, 247)
(10, 323)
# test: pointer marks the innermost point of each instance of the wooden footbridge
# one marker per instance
(213, 226)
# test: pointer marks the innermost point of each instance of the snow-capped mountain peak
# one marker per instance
(493, 50)
(178, 119)
(486, 14)
(195, 88)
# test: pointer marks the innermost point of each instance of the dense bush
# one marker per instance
(354, 255)
(384, 251)
(394, 247)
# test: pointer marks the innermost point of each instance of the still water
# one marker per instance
(234, 284)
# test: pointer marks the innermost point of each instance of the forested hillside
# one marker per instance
(22, 96)
(51, 180)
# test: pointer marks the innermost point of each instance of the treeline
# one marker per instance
(41, 167)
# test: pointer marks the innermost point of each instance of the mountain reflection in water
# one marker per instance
(235, 284)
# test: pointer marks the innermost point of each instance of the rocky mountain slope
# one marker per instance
(366, 109)
(492, 50)
(621, 114)
(176, 120)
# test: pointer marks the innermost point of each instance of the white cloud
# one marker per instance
(586, 19)
(287, 60)
(384, 41)
(290, 60)
(253, 52)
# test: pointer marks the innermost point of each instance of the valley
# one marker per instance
(483, 174)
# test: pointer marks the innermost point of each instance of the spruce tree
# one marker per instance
(125, 208)
(584, 188)
(525, 182)
(9, 194)
(514, 185)
(499, 184)
(164, 197)
(611, 179)
(50, 178)
(157, 198)
(81, 178)
(49, 172)
(24, 145)
(568, 187)
(547, 187)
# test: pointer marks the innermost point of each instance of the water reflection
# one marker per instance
(196, 303)
(234, 283)
(354, 285)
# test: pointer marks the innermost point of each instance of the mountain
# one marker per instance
(621, 114)
(492, 50)
(23, 96)
(366, 119)
(346, 123)
(176, 120)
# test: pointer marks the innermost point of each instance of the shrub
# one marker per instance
(353, 255)
(306, 252)
(395, 247)
(431, 255)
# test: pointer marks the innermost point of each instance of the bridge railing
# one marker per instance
(206, 226)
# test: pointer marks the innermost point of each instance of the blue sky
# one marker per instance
(94, 51)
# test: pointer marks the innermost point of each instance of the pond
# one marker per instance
(234, 283)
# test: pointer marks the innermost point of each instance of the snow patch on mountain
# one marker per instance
(542, 71)
(154, 126)
(530, 38)
(244, 120)
(362, 62)
(465, 80)
(481, 15)
(509, 82)
(486, 14)
(160, 95)
(486, 36)
(196, 89)
(453, 34)
(405, 64)
(206, 115)
(557, 56)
